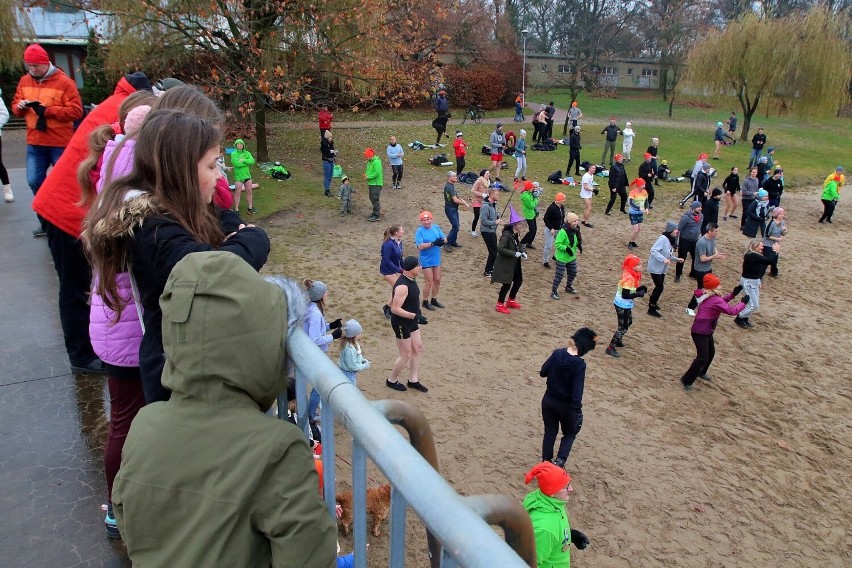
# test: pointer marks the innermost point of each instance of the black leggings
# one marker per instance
(620, 192)
(397, 173)
(557, 414)
(649, 187)
(659, 286)
(625, 320)
(515, 284)
(827, 207)
(573, 156)
(460, 164)
(475, 218)
(684, 247)
(4, 175)
(491, 244)
(705, 351)
(530, 236)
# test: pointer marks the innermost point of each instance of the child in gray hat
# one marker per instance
(351, 360)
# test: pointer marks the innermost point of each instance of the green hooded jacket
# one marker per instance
(565, 246)
(552, 529)
(207, 479)
(529, 202)
(374, 172)
(241, 160)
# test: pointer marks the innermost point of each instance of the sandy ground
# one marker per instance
(751, 469)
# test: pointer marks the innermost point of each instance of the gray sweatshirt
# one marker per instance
(488, 217)
(689, 228)
(661, 251)
(498, 140)
(750, 187)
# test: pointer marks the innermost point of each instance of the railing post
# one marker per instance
(397, 529)
(359, 503)
(328, 461)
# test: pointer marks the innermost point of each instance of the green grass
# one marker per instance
(807, 149)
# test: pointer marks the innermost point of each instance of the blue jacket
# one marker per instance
(391, 258)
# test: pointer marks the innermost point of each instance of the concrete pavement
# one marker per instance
(52, 423)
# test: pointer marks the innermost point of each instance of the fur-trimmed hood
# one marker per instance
(105, 234)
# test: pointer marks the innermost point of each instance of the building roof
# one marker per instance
(62, 27)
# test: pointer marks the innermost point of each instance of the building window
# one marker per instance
(566, 69)
(610, 70)
(649, 72)
(630, 70)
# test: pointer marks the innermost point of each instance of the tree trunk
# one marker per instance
(746, 125)
(664, 85)
(671, 104)
(260, 129)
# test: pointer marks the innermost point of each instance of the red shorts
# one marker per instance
(496, 157)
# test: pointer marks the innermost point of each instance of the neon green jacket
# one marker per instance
(830, 192)
(551, 528)
(528, 204)
(241, 160)
(565, 246)
(374, 171)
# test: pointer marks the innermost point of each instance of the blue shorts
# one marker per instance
(636, 218)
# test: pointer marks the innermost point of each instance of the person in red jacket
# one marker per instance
(50, 103)
(324, 118)
(57, 204)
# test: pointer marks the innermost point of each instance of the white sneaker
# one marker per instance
(473, 234)
(690, 312)
(8, 196)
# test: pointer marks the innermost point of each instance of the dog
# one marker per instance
(378, 504)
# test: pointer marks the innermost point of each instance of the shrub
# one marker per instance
(492, 81)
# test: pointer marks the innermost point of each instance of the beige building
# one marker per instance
(545, 71)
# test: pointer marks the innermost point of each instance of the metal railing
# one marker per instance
(411, 468)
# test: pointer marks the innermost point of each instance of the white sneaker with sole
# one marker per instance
(473, 234)
(8, 196)
(690, 312)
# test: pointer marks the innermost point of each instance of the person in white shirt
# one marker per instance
(587, 191)
(627, 143)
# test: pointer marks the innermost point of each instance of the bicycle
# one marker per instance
(475, 113)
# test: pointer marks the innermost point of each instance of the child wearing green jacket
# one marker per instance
(241, 159)
(529, 207)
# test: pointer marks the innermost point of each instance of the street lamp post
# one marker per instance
(524, 72)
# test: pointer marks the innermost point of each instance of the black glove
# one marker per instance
(335, 324)
(580, 249)
(439, 242)
(641, 291)
(41, 124)
(337, 333)
(737, 289)
(579, 540)
(38, 108)
(746, 299)
(420, 319)
(596, 191)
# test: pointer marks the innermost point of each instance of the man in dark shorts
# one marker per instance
(405, 321)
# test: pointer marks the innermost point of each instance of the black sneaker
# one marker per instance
(741, 323)
(612, 352)
(654, 313)
(427, 306)
(92, 367)
(486, 274)
(387, 311)
(455, 245)
(570, 290)
(547, 265)
(677, 279)
(418, 386)
(554, 296)
(436, 303)
(687, 387)
(559, 462)
(705, 377)
(39, 233)
(396, 385)
(531, 246)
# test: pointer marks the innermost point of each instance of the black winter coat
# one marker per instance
(755, 220)
(554, 216)
(156, 248)
(617, 176)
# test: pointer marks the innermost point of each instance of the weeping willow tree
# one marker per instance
(801, 61)
(15, 29)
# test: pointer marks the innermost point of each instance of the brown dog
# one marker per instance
(378, 505)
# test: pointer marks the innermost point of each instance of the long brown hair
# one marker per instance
(307, 283)
(392, 230)
(170, 145)
(98, 139)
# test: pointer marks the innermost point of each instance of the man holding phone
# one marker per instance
(49, 102)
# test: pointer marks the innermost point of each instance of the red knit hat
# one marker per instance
(36, 55)
(638, 182)
(369, 153)
(648, 156)
(711, 282)
(551, 478)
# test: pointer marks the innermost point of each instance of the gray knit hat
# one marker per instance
(317, 290)
(670, 226)
(352, 329)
